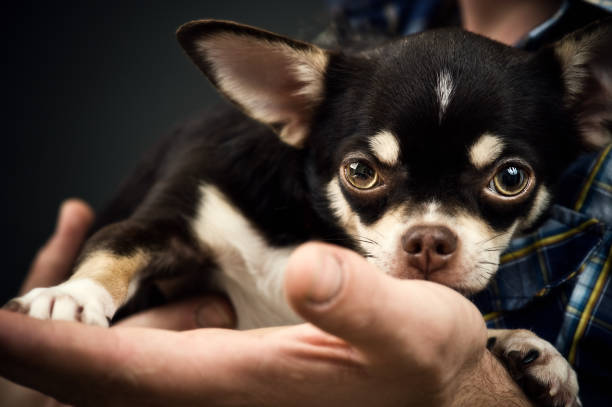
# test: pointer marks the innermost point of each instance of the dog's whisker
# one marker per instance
(366, 239)
(493, 238)
(488, 262)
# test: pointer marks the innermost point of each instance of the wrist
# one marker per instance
(488, 383)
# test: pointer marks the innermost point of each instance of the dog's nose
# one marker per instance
(429, 248)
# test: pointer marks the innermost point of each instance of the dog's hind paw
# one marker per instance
(539, 369)
(81, 300)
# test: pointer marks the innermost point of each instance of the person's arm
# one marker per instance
(404, 342)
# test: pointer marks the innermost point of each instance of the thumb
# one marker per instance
(343, 294)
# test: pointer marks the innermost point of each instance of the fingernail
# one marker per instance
(326, 280)
(211, 314)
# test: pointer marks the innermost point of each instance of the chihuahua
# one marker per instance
(427, 154)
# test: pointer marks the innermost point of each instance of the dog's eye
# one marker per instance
(510, 180)
(360, 175)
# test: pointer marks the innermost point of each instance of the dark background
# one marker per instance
(87, 87)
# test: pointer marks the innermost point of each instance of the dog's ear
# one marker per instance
(586, 65)
(273, 79)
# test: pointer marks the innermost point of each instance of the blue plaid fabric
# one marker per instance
(555, 281)
(390, 16)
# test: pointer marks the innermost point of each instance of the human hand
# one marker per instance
(404, 342)
(53, 264)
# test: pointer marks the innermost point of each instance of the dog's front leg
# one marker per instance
(541, 371)
(106, 275)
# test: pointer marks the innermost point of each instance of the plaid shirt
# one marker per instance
(555, 281)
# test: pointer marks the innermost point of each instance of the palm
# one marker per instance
(123, 365)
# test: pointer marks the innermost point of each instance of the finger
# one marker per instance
(52, 356)
(339, 291)
(122, 366)
(54, 261)
(213, 311)
(47, 356)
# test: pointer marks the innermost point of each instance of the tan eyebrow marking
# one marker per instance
(486, 150)
(385, 147)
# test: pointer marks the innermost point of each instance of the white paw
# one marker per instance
(82, 300)
(541, 371)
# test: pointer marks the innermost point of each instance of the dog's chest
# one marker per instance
(249, 270)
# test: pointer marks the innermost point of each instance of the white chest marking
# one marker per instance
(251, 271)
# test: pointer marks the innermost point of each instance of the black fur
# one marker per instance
(500, 90)
(504, 91)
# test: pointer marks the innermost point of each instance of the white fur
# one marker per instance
(444, 92)
(251, 272)
(385, 147)
(133, 286)
(540, 203)
(62, 302)
(550, 369)
(340, 207)
(486, 150)
(478, 251)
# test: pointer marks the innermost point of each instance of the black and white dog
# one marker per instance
(426, 154)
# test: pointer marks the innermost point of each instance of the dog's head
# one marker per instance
(432, 151)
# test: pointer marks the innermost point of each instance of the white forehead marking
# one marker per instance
(486, 150)
(385, 147)
(444, 91)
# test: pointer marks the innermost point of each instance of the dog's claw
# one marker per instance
(532, 355)
(13, 306)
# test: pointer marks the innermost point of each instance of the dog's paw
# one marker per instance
(541, 371)
(81, 300)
